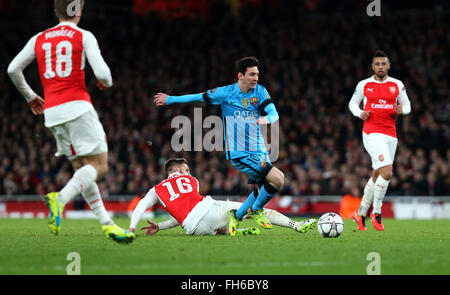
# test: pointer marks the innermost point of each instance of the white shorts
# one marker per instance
(215, 218)
(381, 149)
(83, 136)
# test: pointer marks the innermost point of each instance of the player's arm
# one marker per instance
(15, 73)
(212, 96)
(355, 101)
(271, 112)
(267, 107)
(164, 99)
(404, 106)
(153, 228)
(172, 222)
(96, 61)
(148, 201)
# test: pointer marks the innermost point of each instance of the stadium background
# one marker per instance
(312, 55)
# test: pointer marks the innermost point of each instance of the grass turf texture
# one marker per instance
(405, 247)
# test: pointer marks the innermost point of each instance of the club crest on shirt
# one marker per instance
(254, 101)
(245, 102)
(381, 158)
(392, 89)
(263, 164)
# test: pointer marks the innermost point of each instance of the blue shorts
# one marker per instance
(255, 166)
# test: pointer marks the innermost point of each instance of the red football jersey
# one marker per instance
(179, 195)
(61, 64)
(381, 101)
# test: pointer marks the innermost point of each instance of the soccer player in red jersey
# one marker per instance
(197, 215)
(61, 53)
(384, 98)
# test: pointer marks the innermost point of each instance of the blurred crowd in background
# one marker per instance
(310, 61)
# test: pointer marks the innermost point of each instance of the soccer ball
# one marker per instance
(330, 225)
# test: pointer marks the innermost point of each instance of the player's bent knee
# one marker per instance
(387, 175)
(100, 163)
(281, 179)
(278, 182)
(277, 179)
(386, 172)
(76, 164)
(101, 170)
(100, 166)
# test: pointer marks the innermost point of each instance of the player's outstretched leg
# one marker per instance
(377, 223)
(234, 222)
(118, 234)
(55, 208)
(304, 226)
(360, 221)
(276, 218)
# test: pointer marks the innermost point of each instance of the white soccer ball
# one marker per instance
(330, 225)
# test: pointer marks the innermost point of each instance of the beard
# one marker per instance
(381, 74)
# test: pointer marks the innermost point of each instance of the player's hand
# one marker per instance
(262, 121)
(160, 99)
(365, 115)
(151, 229)
(37, 105)
(101, 86)
(399, 109)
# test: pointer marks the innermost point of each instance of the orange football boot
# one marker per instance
(359, 221)
(377, 223)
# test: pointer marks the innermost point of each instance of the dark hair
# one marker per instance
(65, 7)
(174, 162)
(246, 62)
(380, 53)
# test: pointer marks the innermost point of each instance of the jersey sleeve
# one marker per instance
(148, 201)
(265, 101)
(172, 222)
(267, 107)
(212, 96)
(272, 114)
(216, 95)
(403, 99)
(356, 99)
(18, 64)
(188, 98)
(95, 59)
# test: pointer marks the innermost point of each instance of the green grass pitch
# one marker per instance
(405, 247)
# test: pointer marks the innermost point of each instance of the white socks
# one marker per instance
(80, 181)
(83, 182)
(380, 188)
(373, 192)
(367, 198)
(92, 196)
(277, 218)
